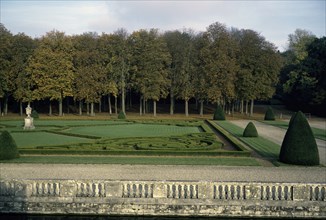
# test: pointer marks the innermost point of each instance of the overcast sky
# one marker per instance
(274, 20)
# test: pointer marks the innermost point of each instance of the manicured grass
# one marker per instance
(261, 145)
(33, 139)
(133, 130)
(318, 133)
(220, 161)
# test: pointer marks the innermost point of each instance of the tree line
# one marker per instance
(226, 66)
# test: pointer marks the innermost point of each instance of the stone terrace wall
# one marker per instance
(163, 198)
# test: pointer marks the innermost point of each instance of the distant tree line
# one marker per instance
(226, 66)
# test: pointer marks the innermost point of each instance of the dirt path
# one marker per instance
(163, 172)
(276, 135)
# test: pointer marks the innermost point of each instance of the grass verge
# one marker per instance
(264, 147)
(216, 161)
(318, 133)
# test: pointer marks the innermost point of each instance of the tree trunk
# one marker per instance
(50, 109)
(252, 108)
(144, 106)
(140, 106)
(201, 111)
(100, 105)
(171, 104)
(123, 104)
(110, 106)
(0, 108)
(20, 108)
(241, 106)
(5, 110)
(154, 105)
(116, 105)
(186, 108)
(80, 107)
(60, 107)
(246, 107)
(92, 109)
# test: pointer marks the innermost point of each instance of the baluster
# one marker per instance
(50, 189)
(182, 191)
(319, 196)
(95, 190)
(263, 193)
(237, 192)
(221, 191)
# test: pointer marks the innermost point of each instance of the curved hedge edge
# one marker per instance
(235, 141)
(138, 153)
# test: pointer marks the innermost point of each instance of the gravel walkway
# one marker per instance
(277, 134)
(163, 172)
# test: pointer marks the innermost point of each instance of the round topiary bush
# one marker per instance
(219, 114)
(299, 145)
(121, 115)
(34, 114)
(8, 147)
(250, 130)
(269, 115)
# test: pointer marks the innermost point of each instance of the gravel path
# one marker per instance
(163, 172)
(277, 134)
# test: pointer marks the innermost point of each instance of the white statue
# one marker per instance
(29, 120)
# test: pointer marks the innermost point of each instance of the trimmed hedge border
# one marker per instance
(235, 141)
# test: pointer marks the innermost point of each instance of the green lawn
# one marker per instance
(132, 130)
(34, 139)
(261, 145)
(318, 133)
(221, 161)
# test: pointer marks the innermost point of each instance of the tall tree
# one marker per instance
(6, 84)
(22, 48)
(260, 65)
(117, 52)
(150, 62)
(51, 68)
(90, 73)
(181, 72)
(220, 63)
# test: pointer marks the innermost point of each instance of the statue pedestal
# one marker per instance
(29, 123)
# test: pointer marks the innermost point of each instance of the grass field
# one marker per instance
(318, 133)
(264, 147)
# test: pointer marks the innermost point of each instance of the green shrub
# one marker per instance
(250, 130)
(8, 147)
(219, 114)
(269, 115)
(34, 114)
(299, 145)
(121, 115)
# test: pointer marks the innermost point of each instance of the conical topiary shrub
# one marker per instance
(35, 114)
(219, 114)
(121, 115)
(250, 130)
(269, 115)
(8, 147)
(299, 145)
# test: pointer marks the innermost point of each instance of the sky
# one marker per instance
(274, 20)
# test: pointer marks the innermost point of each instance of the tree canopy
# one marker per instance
(226, 66)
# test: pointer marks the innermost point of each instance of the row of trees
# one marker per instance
(221, 65)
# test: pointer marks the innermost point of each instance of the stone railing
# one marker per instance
(229, 199)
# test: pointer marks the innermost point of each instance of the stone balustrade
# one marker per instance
(231, 199)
